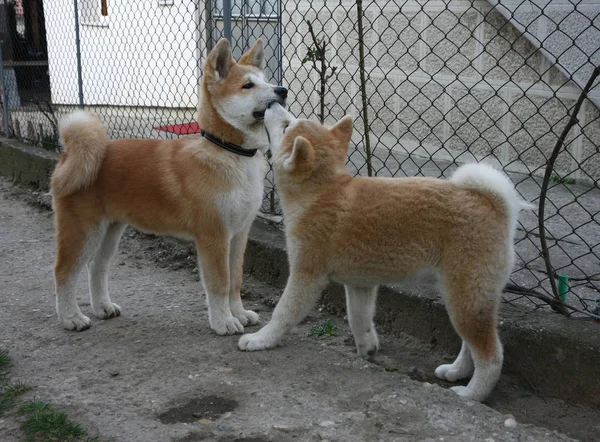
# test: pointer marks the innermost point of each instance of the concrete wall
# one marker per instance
(447, 77)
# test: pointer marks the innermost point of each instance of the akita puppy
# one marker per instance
(205, 187)
(362, 232)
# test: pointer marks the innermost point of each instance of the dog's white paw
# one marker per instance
(257, 341)
(462, 391)
(107, 311)
(226, 326)
(77, 321)
(368, 343)
(247, 317)
(450, 373)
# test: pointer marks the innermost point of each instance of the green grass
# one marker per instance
(8, 391)
(44, 423)
(4, 360)
(326, 328)
(41, 421)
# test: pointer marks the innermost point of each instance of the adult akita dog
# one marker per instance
(362, 232)
(205, 187)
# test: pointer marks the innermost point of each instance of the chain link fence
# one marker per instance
(432, 84)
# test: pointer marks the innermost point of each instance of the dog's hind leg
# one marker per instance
(461, 368)
(98, 273)
(472, 304)
(360, 305)
(78, 238)
(237, 246)
(213, 259)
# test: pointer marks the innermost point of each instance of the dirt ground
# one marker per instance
(158, 373)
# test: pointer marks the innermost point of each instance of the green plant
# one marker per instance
(49, 142)
(45, 423)
(4, 359)
(42, 422)
(326, 328)
(8, 392)
(563, 180)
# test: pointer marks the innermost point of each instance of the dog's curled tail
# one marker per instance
(483, 178)
(85, 140)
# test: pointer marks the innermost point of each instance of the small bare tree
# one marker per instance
(316, 54)
(47, 141)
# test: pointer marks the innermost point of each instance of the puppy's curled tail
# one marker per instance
(483, 178)
(85, 139)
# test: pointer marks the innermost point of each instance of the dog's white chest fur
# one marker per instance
(240, 205)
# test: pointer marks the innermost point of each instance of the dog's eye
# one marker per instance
(285, 127)
(249, 85)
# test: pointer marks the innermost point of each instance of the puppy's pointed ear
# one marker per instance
(343, 129)
(219, 61)
(302, 158)
(255, 56)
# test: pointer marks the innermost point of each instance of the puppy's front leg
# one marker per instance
(300, 294)
(213, 259)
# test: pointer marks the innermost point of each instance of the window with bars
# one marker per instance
(93, 12)
(248, 8)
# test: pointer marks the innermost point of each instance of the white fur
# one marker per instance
(67, 307)
(461, 368)
(238, 109)
(361, 289)
(276, 118)
(360, 305)
(98, 272)
(237, 208)
(481, 177)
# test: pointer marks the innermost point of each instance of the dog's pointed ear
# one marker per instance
(219, 60)
(302, 158)
(255, 56)
(343, 129)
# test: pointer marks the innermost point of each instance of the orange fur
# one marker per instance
(189, 188)
(363, 232)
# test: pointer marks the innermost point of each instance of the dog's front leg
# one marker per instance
(236, 268)
(213, 259)
(300, 294)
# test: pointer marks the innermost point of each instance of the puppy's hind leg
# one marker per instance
(98, 273)
(472, 306)
(360, 305)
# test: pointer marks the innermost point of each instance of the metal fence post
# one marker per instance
(78, 48)
(4, 94)
(227, 19)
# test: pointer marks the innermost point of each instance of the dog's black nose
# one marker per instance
(281, 91)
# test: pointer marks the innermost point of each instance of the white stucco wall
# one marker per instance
(142, 54)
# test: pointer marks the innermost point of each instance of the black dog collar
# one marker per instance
(228, 146)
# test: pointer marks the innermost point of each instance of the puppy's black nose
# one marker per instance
(281, 91)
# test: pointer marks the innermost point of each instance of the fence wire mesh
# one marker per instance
(432, 84)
